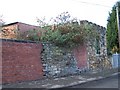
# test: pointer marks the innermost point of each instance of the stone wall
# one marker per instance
(58, 61)
(97, 59)
(25, 60)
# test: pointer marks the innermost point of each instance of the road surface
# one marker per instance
(111, 82)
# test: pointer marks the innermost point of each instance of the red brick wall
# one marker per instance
(80, 54)
(21, 61)
(0, 63)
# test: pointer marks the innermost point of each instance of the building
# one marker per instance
(13, 30)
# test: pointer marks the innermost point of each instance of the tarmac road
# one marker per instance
(110, 82)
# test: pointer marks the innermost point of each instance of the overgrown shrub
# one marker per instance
(66, 32)
(70, 34)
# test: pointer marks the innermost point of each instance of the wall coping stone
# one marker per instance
(20, 41)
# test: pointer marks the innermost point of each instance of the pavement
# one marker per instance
(50, 83)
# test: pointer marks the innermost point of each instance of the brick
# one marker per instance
(21, 62)
(80, 54)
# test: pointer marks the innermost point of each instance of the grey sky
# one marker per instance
(26, 11)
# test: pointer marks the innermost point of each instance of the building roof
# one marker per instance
(17, 23)
(10, 24)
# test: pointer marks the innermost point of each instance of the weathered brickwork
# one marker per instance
(9, 32)
(0, 62)
(21, 61)
(80, 53)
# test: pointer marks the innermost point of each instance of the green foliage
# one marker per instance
(33, 35)
(70, 34)
(67, 32)
(112, 30)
